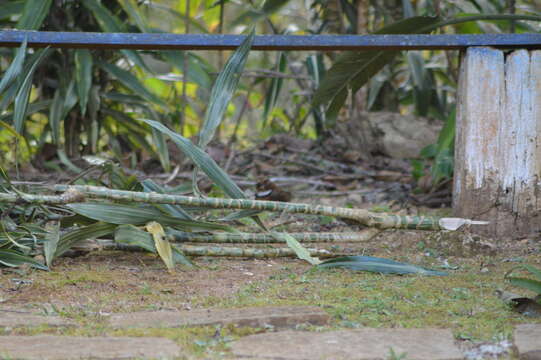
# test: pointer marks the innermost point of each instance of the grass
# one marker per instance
(465, 302)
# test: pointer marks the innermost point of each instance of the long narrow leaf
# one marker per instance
(525, 283)
(197, 72)
(110, 23)
(173, 210)
(161, 147)
(126, 214)
(378, 265)
(202, 160)
(296, 246)
(71, 238)
(34, 13)
(223, 90)
(21, 100)
(131, 235)
(13, 259)
(83, 76)
(269, 7)
(131, 8)
(14, 68)
(51, 242)
(354, 69)
(131, 82)
(274, 89)
(55, 114)
(163, 247)
(12, 8)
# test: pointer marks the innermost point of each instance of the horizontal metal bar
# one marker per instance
(13, 38)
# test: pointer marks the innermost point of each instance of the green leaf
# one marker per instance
(14, 68)
(378, 265)
(353, 69)
(23, 95)
(163, 151)
(202, 160)
(110, 23)
(163, 247)
(131, 8)
(51, 242)
(296, 246)
(131, 82)
(92, 231)
(533, 270)
(12, 258)
(223, 90)
(525, 283)
(11, 8)
(464, 18)
(135, 215)
(181, 18)
(131, 235)
(253, 15)
(197, 71)
(274, 89)
(83, 76)
(173, 210)
(34, 13)
(70, 98)
(55, 114)
(63, 101)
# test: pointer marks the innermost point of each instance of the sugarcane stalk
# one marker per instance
(365, 217)
(262, 238)
(193, 250)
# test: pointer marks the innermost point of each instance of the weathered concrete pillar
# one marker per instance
(498, 142)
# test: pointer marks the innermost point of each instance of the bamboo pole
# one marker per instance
(262, 238)
(193, 250)
(365, 217)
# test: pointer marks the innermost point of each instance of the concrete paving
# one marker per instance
(274, 316)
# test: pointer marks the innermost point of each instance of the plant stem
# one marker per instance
(260, 238)
(365, 217)
(192, 250)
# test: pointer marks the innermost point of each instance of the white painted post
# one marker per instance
(498, 143)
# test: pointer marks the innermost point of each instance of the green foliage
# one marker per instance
(378, 265)
(526, 283)
(223, 90)
(352, 70)
(440, 155)
(131, 235)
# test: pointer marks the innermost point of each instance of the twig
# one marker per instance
(336, 193)
(173, 175)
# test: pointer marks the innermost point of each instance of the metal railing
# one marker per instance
(146, 41)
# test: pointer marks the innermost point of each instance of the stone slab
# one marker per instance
(99, 348)
(19, 319)
(359, 344)
(278, 317)
(528, 341)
